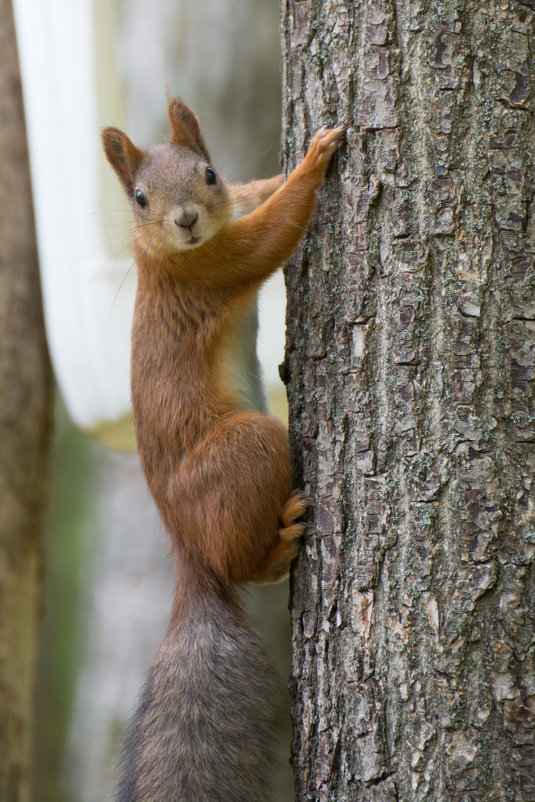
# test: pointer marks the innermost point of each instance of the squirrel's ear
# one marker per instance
(185, 128)
(123, 156)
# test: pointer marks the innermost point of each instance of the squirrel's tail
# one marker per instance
(202, 732)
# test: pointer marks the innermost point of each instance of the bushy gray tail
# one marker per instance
(202, 732)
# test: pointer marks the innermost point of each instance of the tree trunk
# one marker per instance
(24, 418)
(410, 366)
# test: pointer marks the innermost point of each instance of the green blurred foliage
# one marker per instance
(65, 564)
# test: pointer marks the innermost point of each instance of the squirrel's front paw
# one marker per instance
(322, 147)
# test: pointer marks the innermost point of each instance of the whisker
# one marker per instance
(121, 285)
(133, 264)
(114, 250)
(153, 240)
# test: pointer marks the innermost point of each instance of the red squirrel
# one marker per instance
(219, 472)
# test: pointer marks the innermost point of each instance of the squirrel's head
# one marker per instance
(178, 200)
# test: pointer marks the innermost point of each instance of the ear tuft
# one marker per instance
(185, 128)
(123, 156)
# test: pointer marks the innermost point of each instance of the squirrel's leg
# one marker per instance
(229, 500)
(259, 242)
(247, 197)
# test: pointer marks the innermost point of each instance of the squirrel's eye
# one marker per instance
(211, 177)
(141, 200)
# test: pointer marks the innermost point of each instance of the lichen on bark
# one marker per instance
(410, 364)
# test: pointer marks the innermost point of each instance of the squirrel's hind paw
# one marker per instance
(277, 563)
(294, 508)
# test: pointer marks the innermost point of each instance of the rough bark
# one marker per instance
(410, 362)
(24, 416)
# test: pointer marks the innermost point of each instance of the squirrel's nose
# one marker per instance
(186, 219)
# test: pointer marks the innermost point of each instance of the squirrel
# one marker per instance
(219, 472)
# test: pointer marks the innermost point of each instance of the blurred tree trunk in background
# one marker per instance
(410, 362)
(24, 428)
